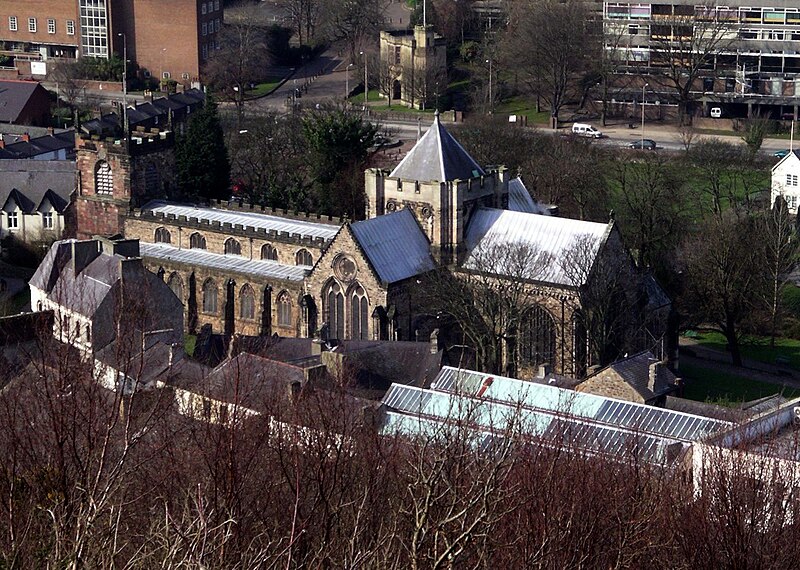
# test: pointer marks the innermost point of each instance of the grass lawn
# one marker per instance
(374, 95)
(757, 348)
(263, 88)
(521, 106)
(708, 385)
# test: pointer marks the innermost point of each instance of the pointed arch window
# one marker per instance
(359, 314)
(103, 179)
(163, 235)
(197, 241)
(537, 337)
(247, 303)
(269, 252)
(303, 257)
(284, 310)
(209, 296)
(334, 299)
(176, 284)
(233, 247)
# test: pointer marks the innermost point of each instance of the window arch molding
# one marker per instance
(358, 312)
(233, 247)
(162, 235)
(247, 302)
(268, 252)
(210, 295)
(283, 303)
(303, 257)
(197, 241)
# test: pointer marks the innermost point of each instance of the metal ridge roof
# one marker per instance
(246, 219)
(437, 156)
(233, 263)
(395, 245)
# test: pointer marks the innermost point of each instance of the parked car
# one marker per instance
(584, 130)
(646, 144)
(780, 153)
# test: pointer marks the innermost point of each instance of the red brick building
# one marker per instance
(168, 39)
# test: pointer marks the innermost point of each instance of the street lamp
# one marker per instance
(366, 85)
(347, 81)
(645, 86)
(491, 100)
(124, 82)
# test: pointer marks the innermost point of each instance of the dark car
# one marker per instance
(646, 144)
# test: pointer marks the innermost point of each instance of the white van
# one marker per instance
(584, 130)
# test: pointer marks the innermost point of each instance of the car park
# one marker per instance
(643, 144)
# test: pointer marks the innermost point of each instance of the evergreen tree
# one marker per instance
(201, 157)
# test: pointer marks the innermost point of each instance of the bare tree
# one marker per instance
(548, 43)
(490, 298)
(305, 16)
(684, 45)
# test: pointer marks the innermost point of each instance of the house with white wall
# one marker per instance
(34, 198)
(786, 181)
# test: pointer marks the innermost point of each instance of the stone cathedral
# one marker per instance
(254, 271)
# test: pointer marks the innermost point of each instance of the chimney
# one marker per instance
(293, 390)
(652, 378)
(83, 253)
(26, 137)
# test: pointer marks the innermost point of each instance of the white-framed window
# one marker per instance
(13, 220)
(791, 202)
(70, 27)
(47, 220)
(12, 23)
(203, 8)
(165, 75)
(32, 25)
(216, 25)
(204, 28)
(205, 51)
(216, 5)
(185, 75)
(791, 180)
(51, 26)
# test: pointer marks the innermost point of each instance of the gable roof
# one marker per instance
(51, 142)
(794, 155)
(14, 95)
(395, 245)
(548, 236)
(29, 182)
(437, 156)
(635, 371)
(520, 200)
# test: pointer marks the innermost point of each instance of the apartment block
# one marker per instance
(168, 39)
(755, 46)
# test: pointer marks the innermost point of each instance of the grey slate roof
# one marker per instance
(29, 182)
(40, 145)
(437, 156)
(551, 236)
(234, 263)
(246, 219)
(14, 95)
(635, 371)
(395, 245)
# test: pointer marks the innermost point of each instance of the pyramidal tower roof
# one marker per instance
(437, 156)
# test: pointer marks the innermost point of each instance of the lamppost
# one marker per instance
(491, 99)
(124, 82)
(366, 84)
(643, 88)
(347, 81)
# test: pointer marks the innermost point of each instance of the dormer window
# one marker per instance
(47, 220)
(13, 221)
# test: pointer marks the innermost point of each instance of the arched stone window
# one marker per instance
(334, 305)
(247, 303)
(210, 296)
(163, 235)
(269, 252)
(359, 313)
(176, 284)
(303, 257)
(103, 179)
(233, 247)
(537, 337)
(197, 241)
(284, 303)
(160, 273)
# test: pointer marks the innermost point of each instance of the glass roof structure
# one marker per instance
(493, 406)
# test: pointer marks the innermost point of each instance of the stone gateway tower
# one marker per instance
(413, 66)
